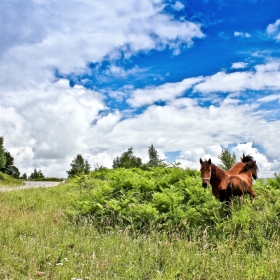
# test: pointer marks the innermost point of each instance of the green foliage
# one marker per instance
(127, 160)
(2, 154)
(274, 182)
(40, 242)
(8, 181)
(36, 175)
(227, 159)
(79, 166)
(7, 162)
(9, 168)
(154, 159)
(165, 196)
(24, 176)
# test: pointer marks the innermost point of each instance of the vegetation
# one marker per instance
(8, 181)
(138, 224)
(227, 159)
(2, 154)
(127, 160)
(79, 166)
(36, 175)
(7, 162)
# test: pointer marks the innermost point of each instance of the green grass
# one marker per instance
(42, 238)
(8, 181)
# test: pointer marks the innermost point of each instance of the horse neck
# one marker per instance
(247, 176)
(236, 168)
(217, 176)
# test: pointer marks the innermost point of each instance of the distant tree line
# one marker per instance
(80, 166)
(127, 159)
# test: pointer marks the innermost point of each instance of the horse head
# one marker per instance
(205, 170)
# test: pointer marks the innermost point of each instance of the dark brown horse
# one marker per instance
(239, 185)
(217, 177)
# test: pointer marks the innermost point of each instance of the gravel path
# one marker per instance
(29, 185)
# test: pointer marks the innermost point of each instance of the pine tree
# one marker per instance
(79, 166)
(127, 160)
(154, 159)
(227, 159)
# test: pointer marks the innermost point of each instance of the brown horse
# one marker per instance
(217, 177)
(239, 185)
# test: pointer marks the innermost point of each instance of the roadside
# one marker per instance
(29, 185)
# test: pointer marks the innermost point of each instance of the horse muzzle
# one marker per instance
(205, 182)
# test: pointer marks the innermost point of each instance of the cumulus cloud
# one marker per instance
(50, 35)
(50, 126)
(273, 30)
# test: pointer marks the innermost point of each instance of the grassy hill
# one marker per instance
(8, 181)
(135, 224)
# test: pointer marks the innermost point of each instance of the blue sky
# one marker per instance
(95, 78)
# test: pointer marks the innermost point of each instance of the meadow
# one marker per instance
(139, 224)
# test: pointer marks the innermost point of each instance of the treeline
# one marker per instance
(80, 166)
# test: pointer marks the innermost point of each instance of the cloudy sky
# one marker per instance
(96, 77)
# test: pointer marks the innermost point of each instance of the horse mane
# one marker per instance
(246, 158)
(251, 165)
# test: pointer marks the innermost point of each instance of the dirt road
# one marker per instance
(28, 185)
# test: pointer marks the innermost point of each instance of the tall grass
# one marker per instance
(44, 237)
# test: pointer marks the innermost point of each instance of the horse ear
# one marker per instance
(209, 160)
(200, 161)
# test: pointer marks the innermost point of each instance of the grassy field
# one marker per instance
(48, 234)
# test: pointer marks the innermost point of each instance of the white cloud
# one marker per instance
(165, 92)
(273, 30)
(178, 6)
(242, 34)
(50, 35)
(269, 98)
(239, 65)
(265, 77)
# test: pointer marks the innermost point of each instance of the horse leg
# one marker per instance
(252, 194)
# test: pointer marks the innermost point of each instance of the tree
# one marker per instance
(7, 162)
(127, 160)
(24, 176)
(227, 159)
(2, 153)
(36, 175)
(154, 159)
(79, 166)
(9, 167)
